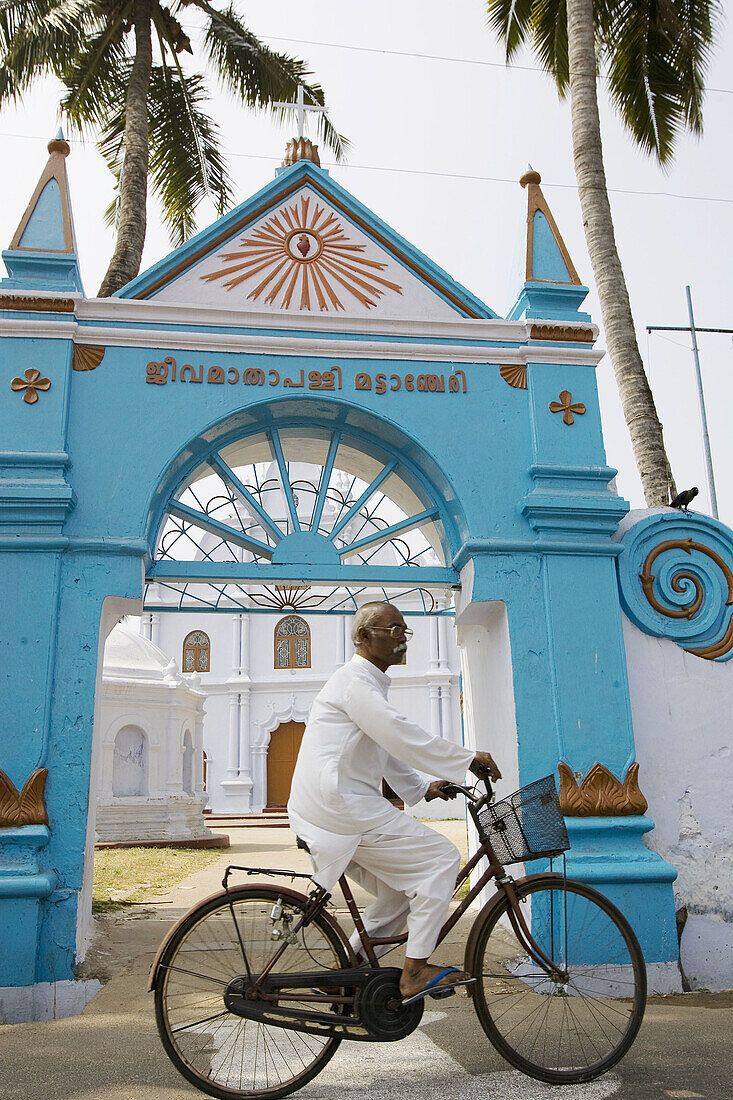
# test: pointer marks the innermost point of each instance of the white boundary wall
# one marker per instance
(682, 708)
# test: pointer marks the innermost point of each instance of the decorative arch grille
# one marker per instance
(292, 643)
(381, 524)
(196, 652)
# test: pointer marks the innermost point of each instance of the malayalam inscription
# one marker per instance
(168, 371)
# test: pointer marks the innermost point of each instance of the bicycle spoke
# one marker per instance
(560, 1031)
(197, 1023)
(207, 1042)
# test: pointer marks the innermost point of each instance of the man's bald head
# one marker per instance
(371, 614)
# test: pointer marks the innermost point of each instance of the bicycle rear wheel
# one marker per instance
(219, 1052)
(560, 1031)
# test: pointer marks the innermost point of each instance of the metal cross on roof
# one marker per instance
(300, 108)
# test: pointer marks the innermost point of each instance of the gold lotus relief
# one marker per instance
(26, 807)
(304, 258)
(600, 793)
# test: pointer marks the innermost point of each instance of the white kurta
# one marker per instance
(355, 737)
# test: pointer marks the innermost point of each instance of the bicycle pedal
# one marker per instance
(442, 994)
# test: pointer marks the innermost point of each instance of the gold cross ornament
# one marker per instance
(33, 382)
(566, 407)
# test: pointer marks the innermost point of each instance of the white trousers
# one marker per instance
(411, 872)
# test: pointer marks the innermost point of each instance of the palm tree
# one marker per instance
(119, 62)
(654, 54)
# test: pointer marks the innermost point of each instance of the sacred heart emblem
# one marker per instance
(304, 244)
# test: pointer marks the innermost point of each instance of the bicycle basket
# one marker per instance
(527, 825)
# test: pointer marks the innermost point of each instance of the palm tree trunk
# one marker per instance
(125, 262)
(636, 395)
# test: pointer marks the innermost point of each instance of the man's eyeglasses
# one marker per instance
(396, 631)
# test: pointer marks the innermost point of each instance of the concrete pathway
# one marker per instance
(112, 1051)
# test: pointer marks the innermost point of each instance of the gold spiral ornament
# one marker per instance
(680, 582)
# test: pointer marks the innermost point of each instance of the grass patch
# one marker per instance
(126, 875)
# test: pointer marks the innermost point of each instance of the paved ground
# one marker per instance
(112, 1051)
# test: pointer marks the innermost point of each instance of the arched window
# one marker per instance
(205, 773)
(292, 643)
(130, 763)
(196, 652)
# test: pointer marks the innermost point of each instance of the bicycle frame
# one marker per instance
(495, 870)
(319, 899)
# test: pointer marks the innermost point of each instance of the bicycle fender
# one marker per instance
(234, 893)
(491, 904)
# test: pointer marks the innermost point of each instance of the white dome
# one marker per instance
(129, 656)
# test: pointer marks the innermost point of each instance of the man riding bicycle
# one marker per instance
(354, 738)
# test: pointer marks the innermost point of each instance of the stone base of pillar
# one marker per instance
(46, 1000)
(609, 854)
(23, 888)
(239, 791)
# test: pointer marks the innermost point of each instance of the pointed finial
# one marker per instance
(530, 176)
(42, 253)
(59, 144)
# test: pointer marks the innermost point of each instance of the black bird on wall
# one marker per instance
(685, 498)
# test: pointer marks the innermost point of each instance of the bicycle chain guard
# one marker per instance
(379, 1015)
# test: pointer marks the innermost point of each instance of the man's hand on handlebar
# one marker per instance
(441, 788)
(483, 764)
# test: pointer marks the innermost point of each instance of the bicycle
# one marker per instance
(256, 987)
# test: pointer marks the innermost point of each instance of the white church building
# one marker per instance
(150, 758)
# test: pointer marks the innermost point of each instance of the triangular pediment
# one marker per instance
(303, 246)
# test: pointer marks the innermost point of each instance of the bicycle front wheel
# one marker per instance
(219, 1052)
(569, 1030)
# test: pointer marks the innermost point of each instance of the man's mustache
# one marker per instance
(400, 648)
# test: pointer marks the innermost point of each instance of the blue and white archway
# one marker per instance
(293, 513)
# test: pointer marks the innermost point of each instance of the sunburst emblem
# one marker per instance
(304, 260)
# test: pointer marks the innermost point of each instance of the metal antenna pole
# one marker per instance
(703, 416)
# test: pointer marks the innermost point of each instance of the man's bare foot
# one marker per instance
(415, 977)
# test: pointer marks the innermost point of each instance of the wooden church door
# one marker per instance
(281, 757)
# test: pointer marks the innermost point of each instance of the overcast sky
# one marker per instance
(440, 132)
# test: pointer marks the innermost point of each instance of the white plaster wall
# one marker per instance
(113, 609)
(681, 707)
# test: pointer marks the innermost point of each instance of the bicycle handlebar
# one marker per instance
(458, 788)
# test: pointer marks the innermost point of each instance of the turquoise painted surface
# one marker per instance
(547, 261)
(32, 271)
(87, 472)
(45, 228)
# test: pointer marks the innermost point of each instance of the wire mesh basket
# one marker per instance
(527, 825)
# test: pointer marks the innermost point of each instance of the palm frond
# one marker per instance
(96, 79)
(186, 162)
(550, 37)
(258, 75)
(512, 21)
(656, 57)
(40, 37)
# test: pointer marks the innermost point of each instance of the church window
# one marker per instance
(292, 643)
(196, 652)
